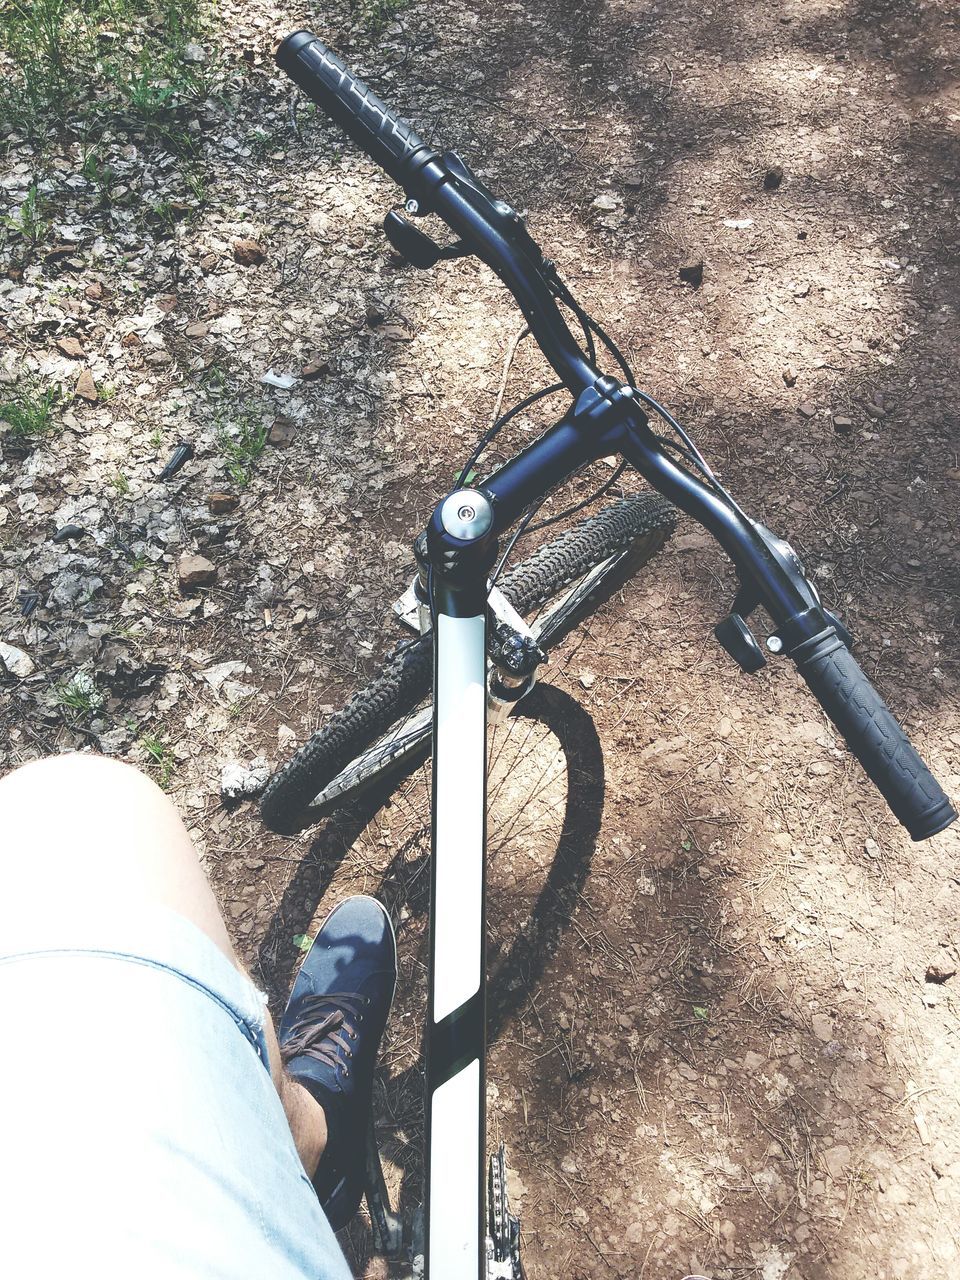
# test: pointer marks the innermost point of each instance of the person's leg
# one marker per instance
(91, 832)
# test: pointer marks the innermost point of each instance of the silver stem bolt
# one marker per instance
(466, 514)
(774, 644)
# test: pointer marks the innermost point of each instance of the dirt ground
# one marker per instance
(717, 1044)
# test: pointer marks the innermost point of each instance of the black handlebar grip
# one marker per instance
(387, 139)
(873, 735)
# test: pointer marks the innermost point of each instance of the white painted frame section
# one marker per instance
(459, 769)
(455, 1185)
(454, 1161)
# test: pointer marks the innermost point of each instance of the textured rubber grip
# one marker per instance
(873, 735)
(387, 139)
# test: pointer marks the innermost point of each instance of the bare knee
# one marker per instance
(76, 779)
(86, 829)
(76, 816)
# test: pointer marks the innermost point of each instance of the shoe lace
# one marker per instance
(324, 1027)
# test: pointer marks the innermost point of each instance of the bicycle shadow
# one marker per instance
(517, 957)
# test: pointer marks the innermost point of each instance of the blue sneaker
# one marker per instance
(329, 1036)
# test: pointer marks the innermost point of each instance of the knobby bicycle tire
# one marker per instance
(633, 529)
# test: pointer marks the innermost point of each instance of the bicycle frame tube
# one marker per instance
(456, 1016)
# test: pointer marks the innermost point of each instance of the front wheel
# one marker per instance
(387, 726)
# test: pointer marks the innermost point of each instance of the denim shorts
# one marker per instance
(140, 1132)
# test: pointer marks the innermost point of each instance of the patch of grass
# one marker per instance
(99, 175)
(97, 60)
(28, 222)
(259, 143)
(161, 758)
(30, 413)
(78, 695)
(374, 15)
(197, 186)
(121, 484)
(241, 443)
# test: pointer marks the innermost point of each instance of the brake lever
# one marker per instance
(419, 249)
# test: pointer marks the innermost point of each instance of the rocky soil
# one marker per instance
(725, 1024)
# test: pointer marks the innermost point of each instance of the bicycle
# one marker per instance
(483, 654)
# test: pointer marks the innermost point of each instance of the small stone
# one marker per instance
(606, 202)
(789, 375)
(587, 679)
(282, 381)
(238, 780)
(939, 973)
(194, 53)
(71, 347)
(633, 179)
(94, 292)
(315, 369)
(218, 675)
(282, 433)
(725, 727)
(871, 848)
(86, 388)
(772, 178)
(875, 410)
(195, 571)
(836, 1159)
(249, 253)
(199, 330)
(299, 618)
(807, 410)
(159, 359)
(15, 661)
(186, 608)
(395, 332)
(691, 270)
(221, 504)
(131, 341)
(822, 1027)
(842, 424)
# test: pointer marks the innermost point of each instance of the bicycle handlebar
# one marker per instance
(496, 233)
(844, 691)
(487, 226)
(387, 139)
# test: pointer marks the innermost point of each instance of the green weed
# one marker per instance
(97, 59)
(29, 222)
(241, 444)
(30, 414)
(198, 187)
(100, 176)
(374, 15)
(78, 695)
(121, 485)
(162, 759)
